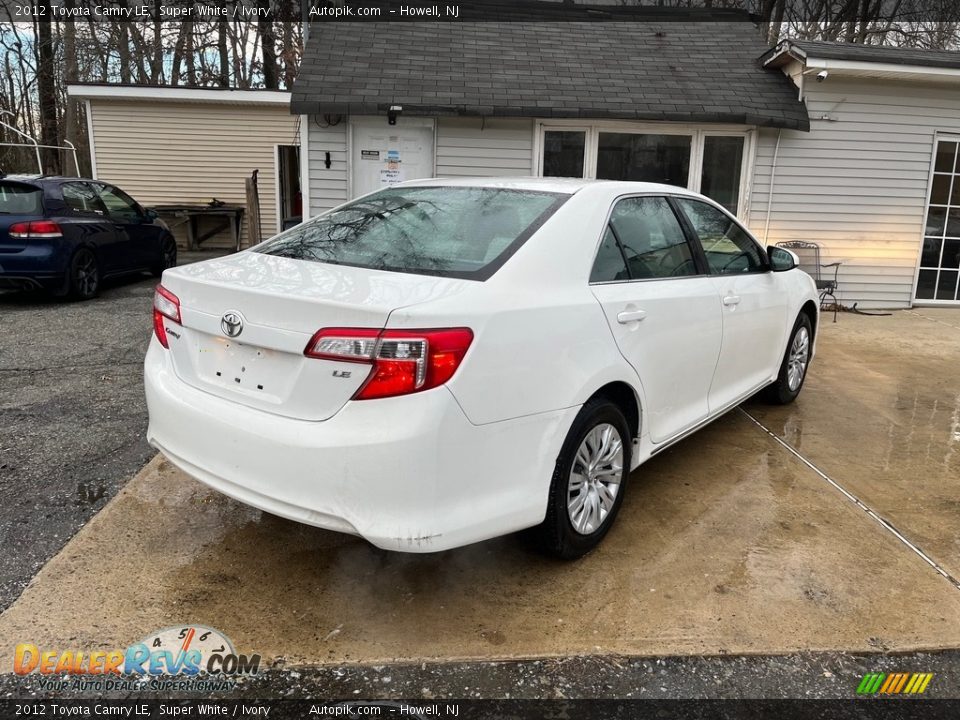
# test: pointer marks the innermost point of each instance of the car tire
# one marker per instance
(84, 275)
(796, 362)
(571, 528)
(168, 257)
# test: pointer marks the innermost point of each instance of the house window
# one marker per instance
(940, 255)
(563, 153)
(722, 165)
(644, 158)
(709, 158)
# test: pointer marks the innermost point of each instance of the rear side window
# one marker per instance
(609, 265)
(17, 199)
(652, 238)
(80, 198)
(464, 232)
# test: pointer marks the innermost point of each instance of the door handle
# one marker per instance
(630, 316)
(731, 300)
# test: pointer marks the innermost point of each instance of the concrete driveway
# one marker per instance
(830, 524)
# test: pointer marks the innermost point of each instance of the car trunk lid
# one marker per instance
(247, 318)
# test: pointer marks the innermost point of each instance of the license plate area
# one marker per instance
(244, 368)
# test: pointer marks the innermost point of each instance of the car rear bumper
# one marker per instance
(36, 265)
(30, 282)
(409, 473)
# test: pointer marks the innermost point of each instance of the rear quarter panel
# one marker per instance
(541, 342)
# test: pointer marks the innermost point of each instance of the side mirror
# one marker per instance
(151, 214)
(781, 259)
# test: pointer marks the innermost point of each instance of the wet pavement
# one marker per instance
(732, 542)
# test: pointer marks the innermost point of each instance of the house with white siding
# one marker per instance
(169, 146)
(851, 147)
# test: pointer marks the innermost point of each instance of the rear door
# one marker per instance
(662, 309)
(754, 302)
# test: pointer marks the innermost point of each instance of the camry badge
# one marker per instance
(231, 323)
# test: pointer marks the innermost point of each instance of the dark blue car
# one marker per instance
(66, 234)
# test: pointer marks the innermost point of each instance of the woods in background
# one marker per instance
(39, 59)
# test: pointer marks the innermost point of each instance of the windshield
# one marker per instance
(465, 232)
(17, 199)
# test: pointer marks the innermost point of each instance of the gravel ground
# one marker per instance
(805, 676)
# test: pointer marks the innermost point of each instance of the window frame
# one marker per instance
(693, 243)
(765, 260)
(697, 132)
(541, 145)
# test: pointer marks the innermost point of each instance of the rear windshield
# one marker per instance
(16, 199)
(465, 232)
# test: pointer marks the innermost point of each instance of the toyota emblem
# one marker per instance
(231, 323)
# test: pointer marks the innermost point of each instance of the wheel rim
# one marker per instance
(595, 479)
(799, 356)
(169, 255)
(85, 274)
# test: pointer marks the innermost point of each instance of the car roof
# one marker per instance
(566, 186)
(43, 179)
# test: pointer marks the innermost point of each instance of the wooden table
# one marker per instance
(230, 216)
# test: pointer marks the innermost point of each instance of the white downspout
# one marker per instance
(773, 177)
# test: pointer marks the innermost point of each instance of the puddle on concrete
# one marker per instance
(881, 415)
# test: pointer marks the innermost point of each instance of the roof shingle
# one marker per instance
(650, 70)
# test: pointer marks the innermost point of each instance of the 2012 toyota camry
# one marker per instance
(445, 361)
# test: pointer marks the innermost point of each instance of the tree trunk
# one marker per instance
(268, 46)
(47, 94)
(222, 51)
(70, 75)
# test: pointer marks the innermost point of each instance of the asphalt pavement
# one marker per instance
(72, 417)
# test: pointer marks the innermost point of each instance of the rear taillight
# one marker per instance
(404, 361)
(166, 306)
(35, 229)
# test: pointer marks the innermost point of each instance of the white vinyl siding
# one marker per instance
(465, 147)
(328, 186)
(165, 153)
(857, 182)
(478, 147)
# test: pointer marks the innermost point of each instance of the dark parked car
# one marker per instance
(67, 234)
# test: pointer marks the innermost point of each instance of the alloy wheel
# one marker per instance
(85, 275)
(595, 479)
(798, 359)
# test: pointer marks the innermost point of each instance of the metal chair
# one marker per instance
(809, 256)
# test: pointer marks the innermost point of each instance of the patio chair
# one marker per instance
(809, 256)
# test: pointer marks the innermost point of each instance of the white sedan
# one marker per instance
(446, 361)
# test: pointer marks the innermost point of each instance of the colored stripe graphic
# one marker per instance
(894, 683)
